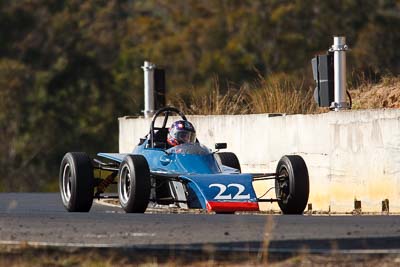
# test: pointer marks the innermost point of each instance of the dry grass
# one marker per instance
(214, 102)
(283, 94)
(68, 257)
(263, 96)
(385, 94)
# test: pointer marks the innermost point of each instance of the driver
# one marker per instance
(181, 132)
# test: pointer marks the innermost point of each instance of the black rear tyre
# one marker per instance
(134, 184)
(292, 184)
(76, 182)
(229, 159)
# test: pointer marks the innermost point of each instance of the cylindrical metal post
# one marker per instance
(148, 69)
(339, 48)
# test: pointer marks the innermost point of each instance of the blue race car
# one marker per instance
(187, 176)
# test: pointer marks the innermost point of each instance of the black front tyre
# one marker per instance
(76, 182)
(229, 159)
(134, 184)
(292, 184)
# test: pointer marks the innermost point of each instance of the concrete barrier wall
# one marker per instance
(351, 155)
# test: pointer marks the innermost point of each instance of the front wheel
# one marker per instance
(134, 184)
(292, 184)
(76, 182)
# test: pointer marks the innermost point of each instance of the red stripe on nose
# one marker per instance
(219, 206)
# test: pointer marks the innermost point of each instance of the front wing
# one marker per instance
(221, 192)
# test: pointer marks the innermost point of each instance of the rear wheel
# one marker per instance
(292, 184)
(229, 159)
(134, 184)
(76, 182)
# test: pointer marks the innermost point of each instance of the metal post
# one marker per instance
(148, 69)
(339, 49)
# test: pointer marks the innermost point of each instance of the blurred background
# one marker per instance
(69, 69)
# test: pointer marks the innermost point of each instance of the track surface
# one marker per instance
(41, 219)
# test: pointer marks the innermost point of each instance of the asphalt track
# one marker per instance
(40, 219)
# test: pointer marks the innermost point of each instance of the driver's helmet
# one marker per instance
(181, 132)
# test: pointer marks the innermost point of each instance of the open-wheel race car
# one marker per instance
(186, 176)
